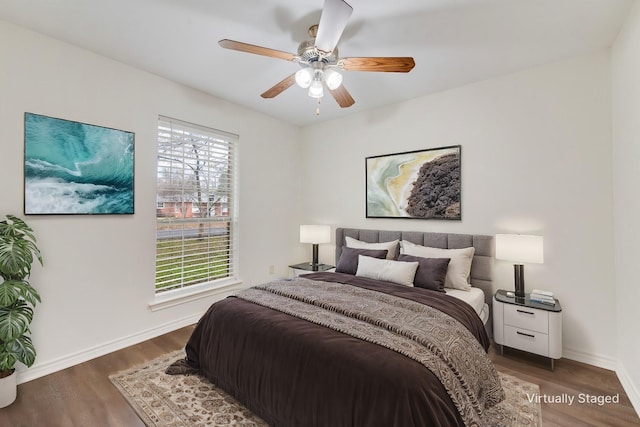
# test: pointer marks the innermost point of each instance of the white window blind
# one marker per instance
(195, 215)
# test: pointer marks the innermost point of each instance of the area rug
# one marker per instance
(162, 400)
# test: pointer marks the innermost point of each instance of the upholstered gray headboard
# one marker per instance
(481, 268)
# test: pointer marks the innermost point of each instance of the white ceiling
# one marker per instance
(453, 42)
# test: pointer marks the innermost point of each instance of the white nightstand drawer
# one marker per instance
(526, 318)
(523, 339)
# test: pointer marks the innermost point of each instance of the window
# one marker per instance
(195, 214)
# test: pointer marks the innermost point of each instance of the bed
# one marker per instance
(337, 349)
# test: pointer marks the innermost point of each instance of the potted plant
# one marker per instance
(18, 251)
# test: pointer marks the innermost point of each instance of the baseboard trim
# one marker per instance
(37, 371)
(600, 361)
(629, 387)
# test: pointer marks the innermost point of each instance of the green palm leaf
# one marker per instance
(20, 349)
(7, 359)
(14, 320)
(15, 257)
(17, 248)
(8, 293)
(12, 290)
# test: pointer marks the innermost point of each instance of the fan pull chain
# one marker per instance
(318, 108)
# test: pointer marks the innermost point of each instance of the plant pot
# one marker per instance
(8, 389)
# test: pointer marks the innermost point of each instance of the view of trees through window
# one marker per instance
(194, 206)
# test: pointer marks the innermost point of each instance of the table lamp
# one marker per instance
(315, 234)
(520, 249)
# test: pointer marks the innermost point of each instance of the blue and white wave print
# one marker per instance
(76, 168)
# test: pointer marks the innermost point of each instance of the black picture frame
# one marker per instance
(420, 184)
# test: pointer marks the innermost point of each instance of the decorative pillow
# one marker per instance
(391, 247)
(399, 272)
(431, 272)
(348, 262)
(459, 264)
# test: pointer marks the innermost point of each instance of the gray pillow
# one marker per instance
(348, 262)
(431, 272)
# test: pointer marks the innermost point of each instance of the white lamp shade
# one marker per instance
(519, 248)
(315, 89)
(315, 234)
(332, 78)
(304, 77)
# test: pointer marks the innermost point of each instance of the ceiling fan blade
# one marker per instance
(333, 21)
(342, 97)
(280, 87)
(381, 64)
(258, 50)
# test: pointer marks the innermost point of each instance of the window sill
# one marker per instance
(173, 298)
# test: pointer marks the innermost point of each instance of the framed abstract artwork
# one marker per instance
(422, 184)
(76, 168)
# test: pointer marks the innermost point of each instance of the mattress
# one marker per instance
(474, 297)
(484, 315)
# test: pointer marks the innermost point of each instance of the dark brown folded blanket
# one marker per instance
(180, 367)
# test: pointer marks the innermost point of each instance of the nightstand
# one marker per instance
(526, 325)
(307, 267)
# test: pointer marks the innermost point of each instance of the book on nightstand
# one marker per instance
(542, 297)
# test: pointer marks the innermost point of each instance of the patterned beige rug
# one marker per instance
(163, 400)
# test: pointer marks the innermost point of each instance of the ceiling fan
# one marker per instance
(319, 60)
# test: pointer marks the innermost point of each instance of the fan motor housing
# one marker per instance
(308, 53)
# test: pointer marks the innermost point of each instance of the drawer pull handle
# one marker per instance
(525, 312)
(526, 335)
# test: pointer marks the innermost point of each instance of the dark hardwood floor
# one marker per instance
(570, 379)
(83, 395)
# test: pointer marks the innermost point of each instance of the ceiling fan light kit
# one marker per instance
(332, 78)
(315, 88)
(304, 77)
(319, 58)
(313, 79)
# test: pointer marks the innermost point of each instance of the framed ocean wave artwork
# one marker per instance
(76, 168)
(422, 184)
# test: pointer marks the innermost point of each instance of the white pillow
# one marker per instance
(391, 247)
(388, 270)
(459, 265)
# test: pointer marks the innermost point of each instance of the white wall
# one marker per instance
(626, 176)
(536, 155)
(98, 277)
(536, 158)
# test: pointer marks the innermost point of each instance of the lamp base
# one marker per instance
(314, 263)
(518, 273)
